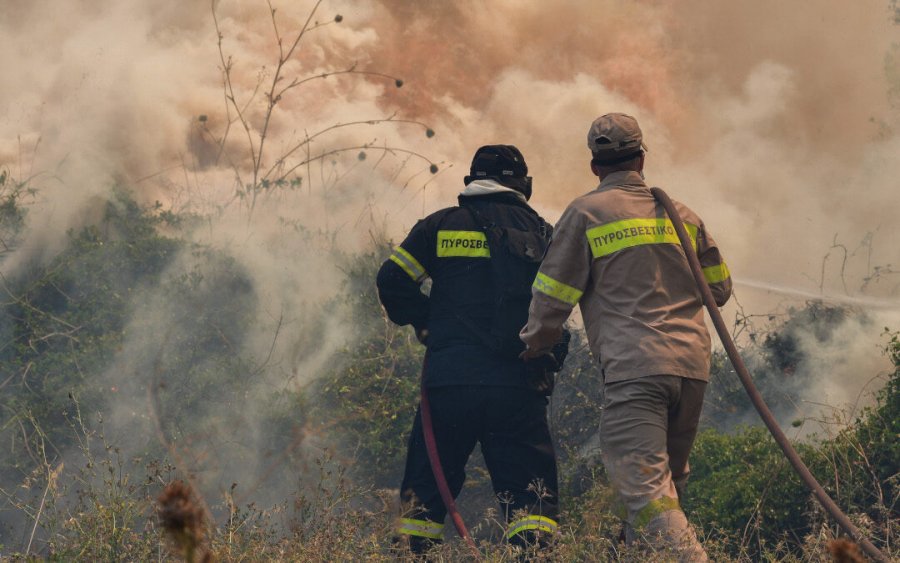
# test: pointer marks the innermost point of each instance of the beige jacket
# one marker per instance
(615, 253)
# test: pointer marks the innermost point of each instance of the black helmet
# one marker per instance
(503, 163)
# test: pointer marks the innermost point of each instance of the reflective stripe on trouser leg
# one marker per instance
(663, 524)
(539, 523)
(420, 528)
(653, 509)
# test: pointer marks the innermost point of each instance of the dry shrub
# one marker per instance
(183, 519)
(843, 550)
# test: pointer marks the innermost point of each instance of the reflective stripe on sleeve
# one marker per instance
(409, 264)
(541, 523)
(464, 244)
(653, 509)
(613, 237)
(421, 528)
(716, 274)
(557, 289)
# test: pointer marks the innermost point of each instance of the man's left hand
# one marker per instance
(531, 353)
(540, 374)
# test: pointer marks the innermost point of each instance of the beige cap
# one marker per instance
(615, 137)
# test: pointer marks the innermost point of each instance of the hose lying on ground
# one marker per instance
(754, 394)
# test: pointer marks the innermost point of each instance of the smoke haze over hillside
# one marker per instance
(779, 123)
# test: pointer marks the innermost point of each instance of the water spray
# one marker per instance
(864, 302)
(754, 394)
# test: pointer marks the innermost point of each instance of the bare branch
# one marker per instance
(350, 70)
(274, 85)
(360, 147)
(304, 30)
(30, 307)
(308, 138)
(843, 249)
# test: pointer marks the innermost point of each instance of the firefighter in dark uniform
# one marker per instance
(478, 388)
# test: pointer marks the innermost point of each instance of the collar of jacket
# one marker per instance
(488, 187)
(622, 179)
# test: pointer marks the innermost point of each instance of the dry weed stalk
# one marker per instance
(268, 171)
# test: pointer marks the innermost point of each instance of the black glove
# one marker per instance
(561, 349)
(540, 374)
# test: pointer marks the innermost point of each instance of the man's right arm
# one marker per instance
(559, 285)
(400, 280)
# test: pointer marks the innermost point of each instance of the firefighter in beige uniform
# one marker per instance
(615, 253)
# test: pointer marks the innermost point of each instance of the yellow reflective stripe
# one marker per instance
(557, 289)
(468, 244)
(613, 237)
(541, 523)
(421, 528)
(409, 264)
(716, 274)
(653, 509)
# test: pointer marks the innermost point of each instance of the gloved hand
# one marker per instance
(422, 336)
(540, 374)
(561, 349)
(540, 370)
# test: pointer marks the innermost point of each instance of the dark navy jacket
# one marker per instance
(450, 248)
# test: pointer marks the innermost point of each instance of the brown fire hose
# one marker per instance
(754, 394)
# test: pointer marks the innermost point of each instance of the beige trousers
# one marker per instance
(647, 429)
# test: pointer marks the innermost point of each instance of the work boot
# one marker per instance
(672, 532)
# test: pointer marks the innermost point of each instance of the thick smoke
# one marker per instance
(774, 121)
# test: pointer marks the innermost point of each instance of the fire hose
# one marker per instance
(754, 394)
(437, 469)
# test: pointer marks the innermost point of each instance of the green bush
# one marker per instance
(63, 321)
(122, 319)
(743, 488)
(742, 485)
(860, 464)
(12, 211)
(367, 401)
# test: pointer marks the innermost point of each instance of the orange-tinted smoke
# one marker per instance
(668, 58)
(458, 49)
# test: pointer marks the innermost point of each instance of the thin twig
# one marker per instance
(51, 482)
(262, 366)
(309, 138)
(359, 147)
